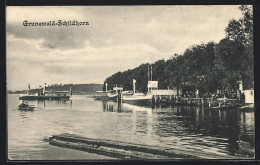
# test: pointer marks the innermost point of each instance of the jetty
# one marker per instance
(125, 150)
(221, 99)
(205, 102)
(155, 96)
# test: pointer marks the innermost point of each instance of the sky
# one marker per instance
(117, 38)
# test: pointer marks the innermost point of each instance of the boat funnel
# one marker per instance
(70, 91)
(134, 81)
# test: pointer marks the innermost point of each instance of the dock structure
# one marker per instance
(172, 99)
(125, 150)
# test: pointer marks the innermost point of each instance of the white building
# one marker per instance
(249, 96)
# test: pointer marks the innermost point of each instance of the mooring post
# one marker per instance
(119, 97)
(153, 100)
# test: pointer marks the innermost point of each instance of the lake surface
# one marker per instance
(190, 128)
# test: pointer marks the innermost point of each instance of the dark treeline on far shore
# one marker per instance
(79, 89)
(206, 67)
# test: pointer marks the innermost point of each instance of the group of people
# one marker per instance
(24, 104)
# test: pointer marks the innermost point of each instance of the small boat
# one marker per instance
(249, 107)
(26, 107)
(137, 99)
(89, 96)
(222, 107)
(106, 95)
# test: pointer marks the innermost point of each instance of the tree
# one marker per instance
(228, 58)
(241, 31)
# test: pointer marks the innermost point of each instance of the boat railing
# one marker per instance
(30, 94)
(104, 93)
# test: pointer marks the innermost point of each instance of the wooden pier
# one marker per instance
(124, 150)
(205, 102)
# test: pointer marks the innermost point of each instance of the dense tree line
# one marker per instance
(206, 67)
(76, 88)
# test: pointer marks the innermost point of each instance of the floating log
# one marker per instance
(125, 150)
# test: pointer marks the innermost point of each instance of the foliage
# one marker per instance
(241, 32)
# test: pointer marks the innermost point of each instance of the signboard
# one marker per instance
(152, 84)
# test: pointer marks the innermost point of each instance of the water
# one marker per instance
(189, 128)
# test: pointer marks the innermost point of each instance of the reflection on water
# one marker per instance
(190, 128)
(49, 103)
(191, 125)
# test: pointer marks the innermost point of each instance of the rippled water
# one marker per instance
(189, 128)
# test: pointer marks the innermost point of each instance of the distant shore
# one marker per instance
(77, 89)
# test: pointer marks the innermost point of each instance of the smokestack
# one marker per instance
(28, 88)
(44, 88)
(134, 81)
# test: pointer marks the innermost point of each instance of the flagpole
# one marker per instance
(134, 85)
(28, 88)
(148, 72)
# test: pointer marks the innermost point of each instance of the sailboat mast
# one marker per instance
(151, 73)
(148, 72)
(28, 88)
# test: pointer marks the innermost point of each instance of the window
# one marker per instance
(252, 93)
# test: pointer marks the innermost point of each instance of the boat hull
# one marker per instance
(29, 108)
(44, 97)
(114, 98)
(141, 101)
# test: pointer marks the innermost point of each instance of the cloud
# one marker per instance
(154, 25)
(85, 65)
(53, 37)
(118, 38)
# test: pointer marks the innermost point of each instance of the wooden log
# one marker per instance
(127, 150)
(115, 153)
